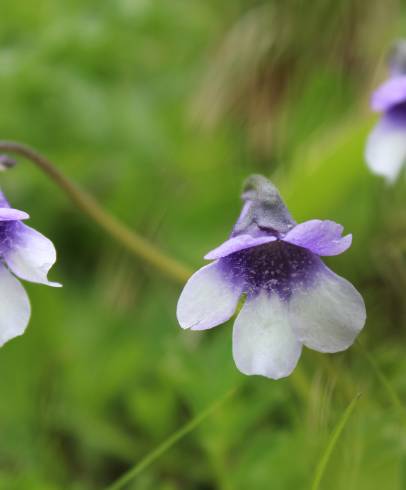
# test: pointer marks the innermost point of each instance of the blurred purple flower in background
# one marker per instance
(27, 254)
(386, 146)
(292, 298)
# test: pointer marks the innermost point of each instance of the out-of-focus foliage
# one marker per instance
(114, 92)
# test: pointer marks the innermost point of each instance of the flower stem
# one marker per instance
(321, 467)
(133, 242)
(151, 457)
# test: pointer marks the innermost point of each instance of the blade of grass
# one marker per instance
(321, 467)
(151, 457)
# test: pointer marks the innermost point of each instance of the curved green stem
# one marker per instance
(169, 442)
(133, 242)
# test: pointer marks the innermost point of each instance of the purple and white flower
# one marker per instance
(386, 146)
(25, 254)
(291, 297)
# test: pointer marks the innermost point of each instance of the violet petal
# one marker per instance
(237, 243)
(390, 93)
(320, 237)
(10, 214)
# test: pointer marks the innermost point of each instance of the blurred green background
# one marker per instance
(160, 109)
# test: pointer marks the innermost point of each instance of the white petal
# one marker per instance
(385, 151)
(263, 340)
(31, 256)
(329, 315)
(15, 307)
(207, 299)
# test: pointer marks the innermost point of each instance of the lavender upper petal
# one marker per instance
(389, 94)
(237, 243)
(327, 315)
(10, 214)
(320, 237)
(30, 254)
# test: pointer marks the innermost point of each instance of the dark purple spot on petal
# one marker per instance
(396, 115)
(277, 267)
(8, 235)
